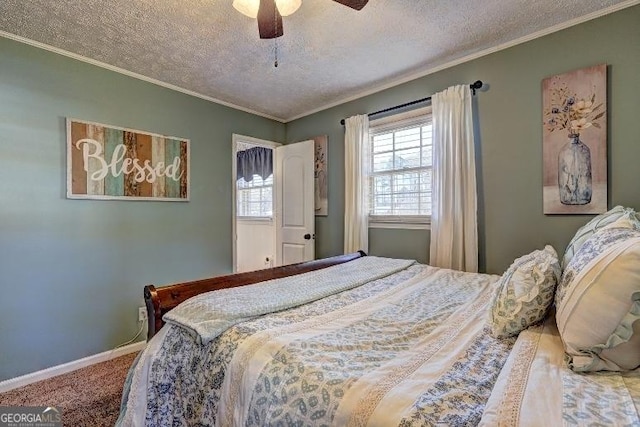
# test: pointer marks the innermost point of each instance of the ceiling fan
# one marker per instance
(269, 14)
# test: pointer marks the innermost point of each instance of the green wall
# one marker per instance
(508, 139)
(72, 271)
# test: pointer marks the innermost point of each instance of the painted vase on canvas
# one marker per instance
(574, 172)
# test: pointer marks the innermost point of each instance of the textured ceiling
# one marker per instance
(328, 54)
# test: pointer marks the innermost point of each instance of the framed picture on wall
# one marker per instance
(320, 176)
(574, 141)
(112, 163)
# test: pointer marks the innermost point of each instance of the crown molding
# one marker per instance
(367, 92)
(471, 57)
(134, 75)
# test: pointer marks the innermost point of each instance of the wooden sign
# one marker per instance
(108, 162)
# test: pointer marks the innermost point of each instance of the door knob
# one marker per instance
(307, 236)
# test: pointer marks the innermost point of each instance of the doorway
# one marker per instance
(254, 229)
(273, 203)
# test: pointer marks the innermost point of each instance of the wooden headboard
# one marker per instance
(161, 300)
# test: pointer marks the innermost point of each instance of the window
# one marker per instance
(254, 180)
(400, 168)
(255, 198)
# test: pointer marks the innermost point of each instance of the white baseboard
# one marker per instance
(54, 371)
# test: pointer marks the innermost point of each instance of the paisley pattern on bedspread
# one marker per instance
(306, 380)
(335, 361)
(178, 397)
(458, 398)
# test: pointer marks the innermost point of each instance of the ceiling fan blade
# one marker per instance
(269, 20)
(353, 4)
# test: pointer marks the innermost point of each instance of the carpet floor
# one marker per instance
(87, 397)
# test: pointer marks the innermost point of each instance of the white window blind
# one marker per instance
(400, 168)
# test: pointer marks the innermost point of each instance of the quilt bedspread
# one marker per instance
(209, 314)
(408, 349)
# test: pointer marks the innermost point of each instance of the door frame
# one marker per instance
(235, 138)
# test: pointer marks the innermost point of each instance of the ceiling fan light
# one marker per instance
(247, 7)
(287, 7)
(250, 7)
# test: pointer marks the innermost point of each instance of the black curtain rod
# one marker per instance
(475, 85)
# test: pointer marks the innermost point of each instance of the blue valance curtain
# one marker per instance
(254, 161)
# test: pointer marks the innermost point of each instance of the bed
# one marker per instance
(359, 340)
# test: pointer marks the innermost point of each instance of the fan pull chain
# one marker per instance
(275, 64)
(275, 40)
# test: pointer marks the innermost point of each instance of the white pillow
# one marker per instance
(594, 225)
(598, 303)
(525, 292)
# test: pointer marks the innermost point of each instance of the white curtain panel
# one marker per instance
(454, 222)
(356, 212)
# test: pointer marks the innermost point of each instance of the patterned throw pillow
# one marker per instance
(598, 302)
(594, 225)
(525, 292)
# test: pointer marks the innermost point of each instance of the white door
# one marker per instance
(295, 214)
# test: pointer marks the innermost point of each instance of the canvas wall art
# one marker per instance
(108, 162)
(574, 142)
(320, 176)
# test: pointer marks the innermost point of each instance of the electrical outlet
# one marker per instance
(142, 314)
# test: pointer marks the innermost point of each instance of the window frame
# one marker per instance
(238, 140)
(419, 116)
(258, 187)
